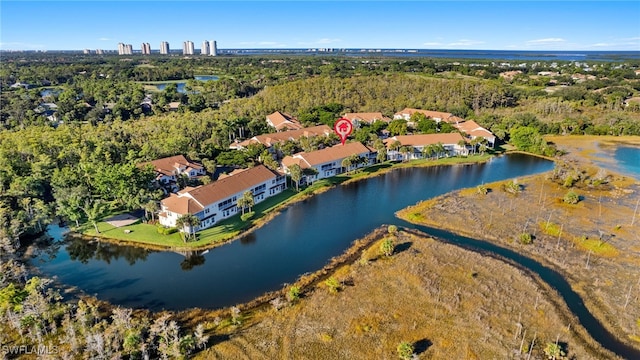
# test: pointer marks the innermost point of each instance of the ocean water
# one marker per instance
(511, 55)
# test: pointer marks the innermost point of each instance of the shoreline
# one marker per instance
(550, 293)
(424, 213)
(296, 198)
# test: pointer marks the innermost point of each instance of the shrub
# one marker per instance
(571, 197)
(569, 181)
(555, 351)
(482, 190)
(392, 229)
(247, 216)
(512, 187)
(387, 247)
(167, 231)
(294, 293)
(525, 238)
(333, 284)
(405, 350)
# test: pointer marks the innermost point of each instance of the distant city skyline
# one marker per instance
(454, 25)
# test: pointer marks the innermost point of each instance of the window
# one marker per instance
(226, 203)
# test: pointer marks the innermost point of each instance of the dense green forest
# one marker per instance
(93, 150)
(80, 159)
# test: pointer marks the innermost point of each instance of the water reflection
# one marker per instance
(300, 239)
(191, 260)
(84, 251)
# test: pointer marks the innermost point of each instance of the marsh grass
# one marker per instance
(448, 302)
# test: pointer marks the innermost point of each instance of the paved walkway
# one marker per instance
(121, 220)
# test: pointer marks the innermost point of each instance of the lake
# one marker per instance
(624, 159)
(303, 238)
(181, 84)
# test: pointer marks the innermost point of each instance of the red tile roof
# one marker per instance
(313, 158)
(425, 139)
(269, 139)
(367, 117)
(202, 196)
(472, 128)
(169, 165)
(181, 204)
(282, 121)
(442, 116)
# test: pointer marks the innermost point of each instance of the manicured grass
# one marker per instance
(140, 233)
(229, 228)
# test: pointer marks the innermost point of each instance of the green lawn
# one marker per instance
(229, 228)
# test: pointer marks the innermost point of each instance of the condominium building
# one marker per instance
(213, 48)
(125, 49)
(164, 48)
(204, 50)
(146, 49)
(187, 48)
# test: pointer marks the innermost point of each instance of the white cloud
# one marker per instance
(327, 41)
(546, 41)
(602, 45)
(432, 44)
(465, 42)
(104, 39)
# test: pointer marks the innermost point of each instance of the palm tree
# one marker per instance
(346, 163)
(249, 200)
(296, 174)
(381, 149)
(428, 150)
(463, 144)
(483, 145)
(188, 223)
(405, 150)
(439, 148)
(150, 207)
(241, 204)
(246, 201)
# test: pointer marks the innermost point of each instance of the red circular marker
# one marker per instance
(343, 127)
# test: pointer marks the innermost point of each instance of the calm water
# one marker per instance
(301, 239)
(181, 85)
(628, 158)
(513, 55)
(624, 159)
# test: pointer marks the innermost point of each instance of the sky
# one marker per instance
(468, 25)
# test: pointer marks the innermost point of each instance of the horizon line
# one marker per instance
(335, 49)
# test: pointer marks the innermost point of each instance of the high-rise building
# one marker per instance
(99, 52)
(146, 49)
(164, 48)
(187, 48)
(213, 48)
(205, 48)
(86, 51)
(125, 49)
